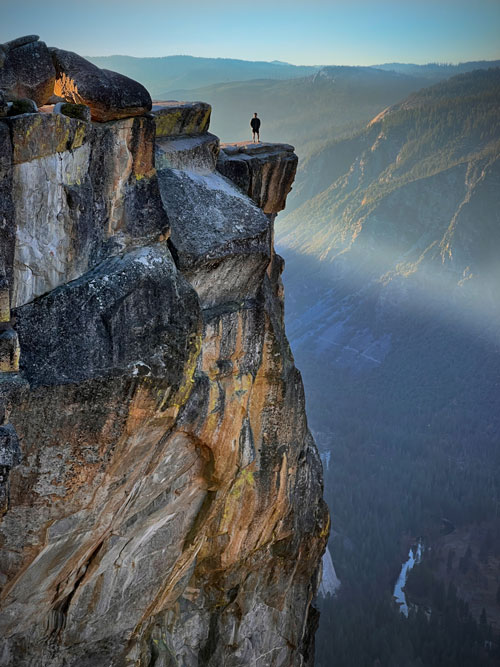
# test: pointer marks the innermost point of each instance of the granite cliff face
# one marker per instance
(161, 495)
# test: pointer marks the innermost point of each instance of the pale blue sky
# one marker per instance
(298, 31)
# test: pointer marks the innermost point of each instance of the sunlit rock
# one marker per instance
(81, 192)
(109, 95)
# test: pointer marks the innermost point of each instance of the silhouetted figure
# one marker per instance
(255, 125)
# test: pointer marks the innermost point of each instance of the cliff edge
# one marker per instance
(160, 492)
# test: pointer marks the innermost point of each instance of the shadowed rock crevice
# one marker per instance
(58, 615)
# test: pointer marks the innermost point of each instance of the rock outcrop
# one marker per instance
(160, 491)
(26, 69)
(264, 172)
(174, 118)
(109, 95)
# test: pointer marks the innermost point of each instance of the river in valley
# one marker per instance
(414, 556)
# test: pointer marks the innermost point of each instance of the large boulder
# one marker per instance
(26, 69)
(174, 118)
(109, 95)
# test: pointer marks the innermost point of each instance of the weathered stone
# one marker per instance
(109, 95)
(10, 456)
(167, 507)
(39, 135)
(222, 241)
(179, 118)
(78, 111)
(27, 70)
(7, 228)
(21, 106)
(95, 191)
(20, 41)
(137, 316)
(197, 153)
(54, 99)
(264, 172)
(4, 303)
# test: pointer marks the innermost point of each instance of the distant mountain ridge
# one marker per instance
(174, 72)
(362, 73)
(308, 111)
(392, 257)
(444, 70)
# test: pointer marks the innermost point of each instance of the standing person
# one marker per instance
(255, 125)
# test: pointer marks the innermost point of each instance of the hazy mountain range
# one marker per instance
(174, 72)
(442, 70)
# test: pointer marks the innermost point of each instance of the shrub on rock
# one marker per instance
(78, 111)
(23, 105)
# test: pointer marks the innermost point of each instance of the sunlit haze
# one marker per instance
(313, 32)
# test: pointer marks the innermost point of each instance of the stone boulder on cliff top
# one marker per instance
(26, 69)
(109, 95)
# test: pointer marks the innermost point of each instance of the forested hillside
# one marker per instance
(392, 308)
(443, 70)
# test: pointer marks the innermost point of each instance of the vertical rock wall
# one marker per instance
(161, 494)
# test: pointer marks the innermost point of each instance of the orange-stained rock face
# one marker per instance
(164, 495)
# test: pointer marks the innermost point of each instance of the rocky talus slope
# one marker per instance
(161, 495)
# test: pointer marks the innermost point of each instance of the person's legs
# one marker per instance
(258, 136)
(253, 136)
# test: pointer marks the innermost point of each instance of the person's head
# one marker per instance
(255, 115)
